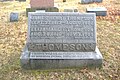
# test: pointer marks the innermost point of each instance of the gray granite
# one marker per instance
(86, 1)
(90, 1)
(68, 31)
(98, 1)
(60, 60)
(61, 40)
(14, 16)
(100, 11)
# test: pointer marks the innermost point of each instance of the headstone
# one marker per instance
(90, 1)
(61, 40)
(14, 16)
(47, 5)
(98, 1)
(100, 11)
(70, 10)
(41, 3)
(86, 1)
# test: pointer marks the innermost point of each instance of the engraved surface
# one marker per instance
(62, 28)
(61, 47)
(60, 55)
(66, 55)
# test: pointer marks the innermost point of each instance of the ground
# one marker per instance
(13, 38)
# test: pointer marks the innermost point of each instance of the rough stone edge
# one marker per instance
(24, 59)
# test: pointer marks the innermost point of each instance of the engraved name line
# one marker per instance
(75, 29)
(43, 22)
(54, 17)
(62, 47)
(61, 34)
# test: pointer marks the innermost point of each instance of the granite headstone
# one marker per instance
(47, 5)
(90, 1)
(14, 16)
(98, 1)
(41, 3)
(100, 11)
(61, 40)
(86, 1)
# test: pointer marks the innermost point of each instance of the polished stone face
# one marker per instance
(41, 3)
(61, 32)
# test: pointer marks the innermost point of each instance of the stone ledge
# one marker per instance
(28, 61)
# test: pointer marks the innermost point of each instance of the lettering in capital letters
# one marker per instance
(75, 29)
(62, 47)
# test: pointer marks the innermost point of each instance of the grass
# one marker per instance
(13, 37)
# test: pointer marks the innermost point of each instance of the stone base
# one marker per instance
(60, 60)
